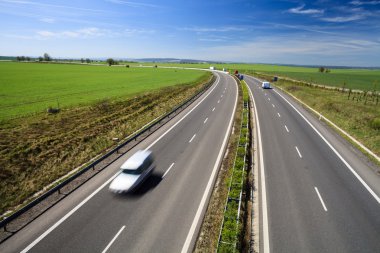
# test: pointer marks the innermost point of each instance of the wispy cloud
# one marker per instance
(135, 32)
(342, 19)
(365, 3)
(20, 2)
(213, 29)
(285, 49)
(81, 33)
(133, 4)
(47, 20)
(301, 10)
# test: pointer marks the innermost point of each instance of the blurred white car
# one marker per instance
(133, 172)
(265, 85)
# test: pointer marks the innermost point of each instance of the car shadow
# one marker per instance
(149, 184)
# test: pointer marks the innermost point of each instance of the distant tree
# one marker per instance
(27, 58)
(111, 61)
(47, 57)
(40, 58)
(82, 60)
(22, 58)
(18, 58)
(327, 70)
(88, 60)
(321, 69)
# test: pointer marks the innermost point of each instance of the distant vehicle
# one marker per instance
(133, 172)
(212, 68)
(266, 85)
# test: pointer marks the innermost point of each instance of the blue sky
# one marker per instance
(321, 32)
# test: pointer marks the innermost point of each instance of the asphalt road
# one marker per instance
(314, 202)
(164, 215)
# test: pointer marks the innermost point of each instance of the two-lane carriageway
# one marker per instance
(319, 195)
(165, 214)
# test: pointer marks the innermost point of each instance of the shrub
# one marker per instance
(375, 123)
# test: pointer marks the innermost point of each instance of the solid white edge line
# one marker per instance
(320, 198)
(67, 215)
(114, 238)
(167, 131)
(192, 138)
(299, 153)
(377, 198)
(109, 180)
(202, 204)
(287, 130)
(167, 171)
(204, 122)
(264, 208)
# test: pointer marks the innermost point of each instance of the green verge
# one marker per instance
(357, 115)
(37, 150)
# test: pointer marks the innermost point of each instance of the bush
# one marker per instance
(375, 124)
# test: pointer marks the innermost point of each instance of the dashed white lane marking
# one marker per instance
(221, 96)
(268, 99)
(167, 171)
(218, 101)
(113, 239)
(213, 109)
(273, 106)
(279, 115)
(299, 153)
(204, 122)
(320, 198)
(192, 138)
(287, 130)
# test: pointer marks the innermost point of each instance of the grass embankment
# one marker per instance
(27, 88)
(351, 112)
(361, 79)
(37, 150)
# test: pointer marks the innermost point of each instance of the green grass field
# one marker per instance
(361, 79)
(28, 88)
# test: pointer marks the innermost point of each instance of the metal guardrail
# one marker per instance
(174, 111)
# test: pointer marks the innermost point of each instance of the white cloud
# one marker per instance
(213, 29)
(132, 4)
(342, 19)
(292, 50)
(47, 20)
(365, 2)
(81, 33)
(301, 10)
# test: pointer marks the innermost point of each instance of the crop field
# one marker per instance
(27, 88)
(361, 79)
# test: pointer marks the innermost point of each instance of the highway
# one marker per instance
(165, 214)
(318, 193)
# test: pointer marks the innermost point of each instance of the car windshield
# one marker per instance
(144, 166)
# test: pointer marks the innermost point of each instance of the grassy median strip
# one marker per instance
(37, 150)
